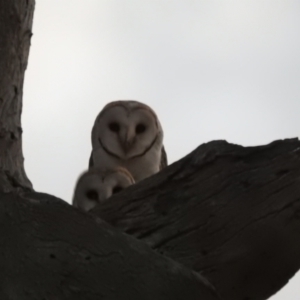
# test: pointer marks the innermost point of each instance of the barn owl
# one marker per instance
(128, 134)
(96, 185)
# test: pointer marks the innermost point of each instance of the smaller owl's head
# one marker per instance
(95, 186)
(126, 129)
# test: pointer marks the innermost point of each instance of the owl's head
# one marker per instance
(97, 185)
(126, 129)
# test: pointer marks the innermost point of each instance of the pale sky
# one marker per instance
(210, 69)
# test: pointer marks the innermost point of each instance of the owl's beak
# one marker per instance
(128, 141)
(127, 145)
(103, 196)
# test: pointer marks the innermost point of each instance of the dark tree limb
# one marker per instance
(15, 33)
(50, 250)
(229, 212)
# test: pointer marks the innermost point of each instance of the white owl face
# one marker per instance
(125, 131)
(95, 187)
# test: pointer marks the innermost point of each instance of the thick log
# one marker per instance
(51, 250)
(228, 212)
(15, 33)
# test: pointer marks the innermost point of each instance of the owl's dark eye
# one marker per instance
(114, 127)
(117, 189)
(140, 128)
(92, 195)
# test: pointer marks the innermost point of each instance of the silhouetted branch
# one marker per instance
(229, 212)
(51, 250)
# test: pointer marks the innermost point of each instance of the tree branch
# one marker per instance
(51, 250)
(229, 212)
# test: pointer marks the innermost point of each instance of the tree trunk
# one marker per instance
(15, 33)
(228, 212)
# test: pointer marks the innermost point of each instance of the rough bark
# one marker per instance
(228, 212)
(15, 33)
(50, 250)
